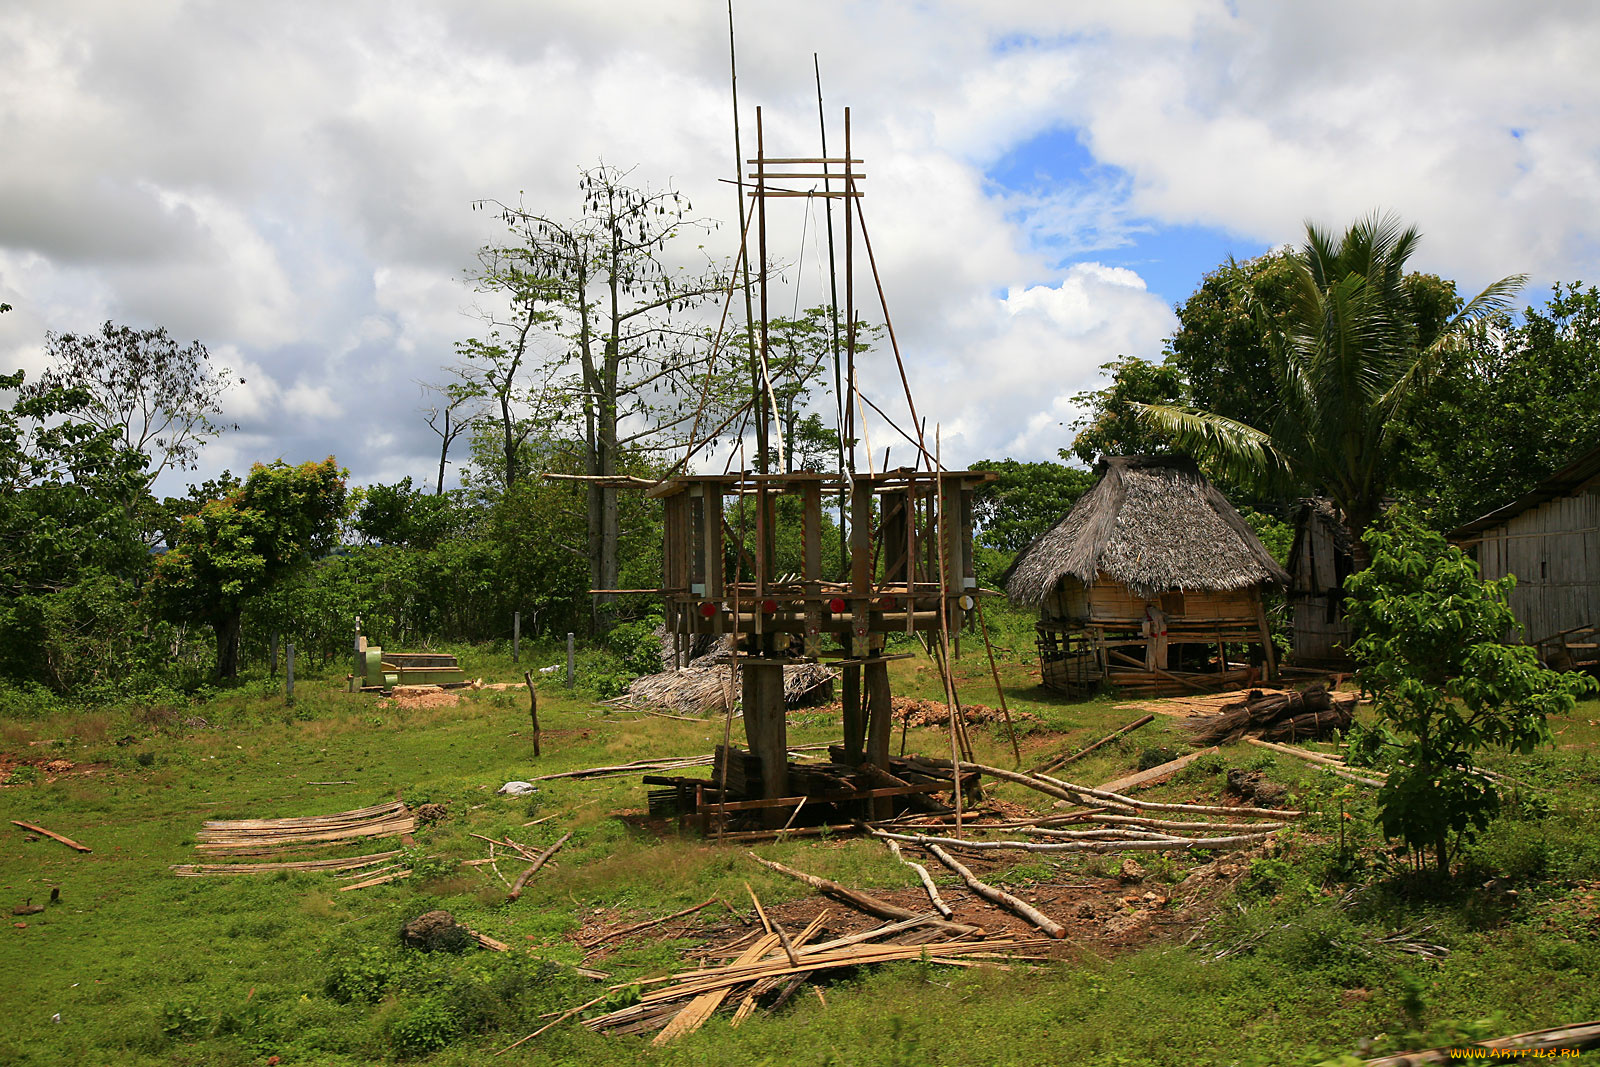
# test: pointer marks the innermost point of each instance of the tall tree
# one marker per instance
(234, 549)
(159, 397)
(1351, 350)
(630, 363)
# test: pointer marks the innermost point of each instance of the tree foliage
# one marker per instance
(1356, 345)
(1445, 685)
(159, 398)
(232, 550)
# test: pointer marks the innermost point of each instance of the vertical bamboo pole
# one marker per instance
(998, 690)
(944, 633)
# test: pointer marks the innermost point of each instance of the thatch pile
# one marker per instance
(698, 690)
(1151, 523)
(1309, 715)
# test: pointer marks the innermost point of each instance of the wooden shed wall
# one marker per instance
(1111, 602)
(1554, 550)
(1321, 628)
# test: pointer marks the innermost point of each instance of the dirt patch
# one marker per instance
(41, 769)
(421, 696)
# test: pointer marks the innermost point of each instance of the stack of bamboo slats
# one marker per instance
(275, 837)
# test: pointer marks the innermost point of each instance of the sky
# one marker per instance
(291, 183)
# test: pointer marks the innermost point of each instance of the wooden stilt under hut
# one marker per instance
(1152, 582)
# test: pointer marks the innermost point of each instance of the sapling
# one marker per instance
(1432, 651)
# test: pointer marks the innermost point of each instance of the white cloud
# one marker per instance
(291, 182)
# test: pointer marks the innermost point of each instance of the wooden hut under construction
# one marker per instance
(1319, 562)
(1146, 583)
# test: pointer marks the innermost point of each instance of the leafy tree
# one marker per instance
(234, 549)
(1025, 501)
(1511, 412)
(68, 547)
(1446, 687)
(1112, 425)
(400, 515)
(1354, 348)
(158, 397)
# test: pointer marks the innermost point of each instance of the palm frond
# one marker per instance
(1235, 449)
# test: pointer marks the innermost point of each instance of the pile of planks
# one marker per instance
(277, 837)
(1306, 715)
(775, 965)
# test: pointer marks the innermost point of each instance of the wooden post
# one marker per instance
(1266, 641)
(855, 723)
(533, 708)
(288, 675)
(879, 726)
(766, 729)
(516, 635)
(570, 677)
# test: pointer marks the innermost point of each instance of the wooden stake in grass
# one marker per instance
(52, 835)
(533, 709)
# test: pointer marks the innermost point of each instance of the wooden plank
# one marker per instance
(1134, 781)
(52, 835)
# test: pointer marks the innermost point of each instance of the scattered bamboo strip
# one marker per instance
(636, 927)
(766, 985)
(923, 876)
(369, 874)
(522, 879)
(563, 1017)
(1177, 824)
(377, 881)
(351, 863)
(998, 896)
(1062, 761)
(52, 835)
(859, 900)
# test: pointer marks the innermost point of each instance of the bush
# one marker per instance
(428, 1026)
(637, 646)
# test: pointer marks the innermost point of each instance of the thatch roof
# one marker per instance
(1153, 524)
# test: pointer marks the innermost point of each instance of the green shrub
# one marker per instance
(1155, 756)
(427, 1026)
(636, 645)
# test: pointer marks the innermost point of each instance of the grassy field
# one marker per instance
(135, 965)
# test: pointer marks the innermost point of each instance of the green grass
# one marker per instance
(144, 967)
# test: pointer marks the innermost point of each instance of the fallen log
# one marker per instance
(522, 879)
(862, 901)
(998, 896)
(1175, 844)
(1332, 766)
(1062, 761)
(52, 835)
(1578, 1036)
(1118, 800)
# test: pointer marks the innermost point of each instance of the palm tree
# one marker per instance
(1347, 356)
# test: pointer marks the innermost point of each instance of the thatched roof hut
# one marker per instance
(1153, 524)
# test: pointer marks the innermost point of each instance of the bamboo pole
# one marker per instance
(862, 901)
(923, 876)
(1062, 761)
